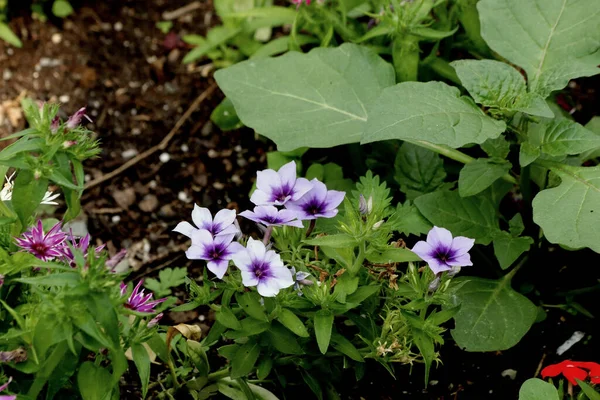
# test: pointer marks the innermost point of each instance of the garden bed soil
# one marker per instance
(111, 58)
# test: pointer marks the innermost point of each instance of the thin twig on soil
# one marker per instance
(171, 15)
(161, 146)
(539, 367)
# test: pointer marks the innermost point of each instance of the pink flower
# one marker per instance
(47, 246)
(3, 388)
(138, 300)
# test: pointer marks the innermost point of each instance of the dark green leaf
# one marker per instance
(283, 340)
(226, 317)
(480, 174)
(251, 305)
(323, 326)
(142, 363)
(28, 193)
(507, 248)
(344, 346)
(244, 359)
(94, 382)
(292, 322)
(418, 170)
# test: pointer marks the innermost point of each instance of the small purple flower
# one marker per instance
(223, 223)
(154, 321)
(80, 244)
(217, 251)
(112, 262)
(262, 268)
(138, 300)
(318, 202)
(3, 388)
(75, 119)
(277, 188)
(271, 216)
(442, 252)
(47, 246)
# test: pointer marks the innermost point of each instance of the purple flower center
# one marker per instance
(444, 254)
(314, 207)
(281, 193)
(39, 248)
(261, 269)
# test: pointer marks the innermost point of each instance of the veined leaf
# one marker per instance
(569, 214)
(244, 359)
(507, 248)
(432, 112)
(492, 316)
(418, 170)
(318, 99)
(537, 389)
(561, 137)
(480, 174)
(408, 220)
(552, 40)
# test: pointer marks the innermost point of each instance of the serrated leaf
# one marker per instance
(408, 220)
(492, 316)
(496, 84)
(323, 326)
(418, 170)
(318, 99)
(508, 249)
(244, 359)
(569, 214)
(371, 186)
(561, 137)
(537, 389)
(480, 174)
(556, 42)
(473, 217)
(433, 112)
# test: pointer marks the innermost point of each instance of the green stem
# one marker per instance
(360, 258)
(512, 273)
(215, 376)
(405, 55)
(443, 69)
(454, 154)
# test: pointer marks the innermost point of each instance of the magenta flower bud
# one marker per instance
(75, 119)
(69, 143)
(54, 124)
(140, 301)
(154, 321)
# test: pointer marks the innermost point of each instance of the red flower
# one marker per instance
(573, 370)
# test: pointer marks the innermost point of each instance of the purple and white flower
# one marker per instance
(317, 203)
(81, 244)
(154, 321)
(4, 387)
(222, 224)
(262, 268)
(138, 300)
(75, 119)
(277, 188)
(442, 252)
(271, 216)
(46, 246)
(217, 250)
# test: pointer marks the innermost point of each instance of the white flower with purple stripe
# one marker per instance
(262, 268)
(271, 216)
(216, 250)
(317, 202)
(222, 224)
(442, 252)
(277, 188)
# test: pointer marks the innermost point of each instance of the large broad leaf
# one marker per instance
(537, 389)
(318, 99)
(473, 217)
(496, 84)
(418, 170)
(408, 220)
(480, 174)
(432, 112)
(569, 214)
(552, 40)
(561, 137)
(492, 316)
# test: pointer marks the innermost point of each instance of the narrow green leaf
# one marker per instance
(249, 327)
(28, 193)
(337, 241)
(537, 389)
(142, 363)
(8, 36)
(323, 326)
(292, 322)
(264, 368)
(589, 391)
(344, 346)
(198, 356)
(392, 255)
(283, 340)
(426, 347)
(244, 360)
(226, 317)
(251, 305)
(480, 174)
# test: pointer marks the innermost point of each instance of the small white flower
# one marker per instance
(6, 193)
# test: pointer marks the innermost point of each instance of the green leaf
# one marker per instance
(244, 360)
(250, 327)
(561, 137)
(94, 382)
(537, 389)
(225, 117)
(198, 356)
(142, 363)
(408, 220)
(516, 225)
(589, 391)
(569, 214)
(264, 368)
(281, 45)
(249, 301)
(292, 322)
(284, 99)
(507, 248)
(226, 317)
(323, 326)
(497, 147)
(8, 36)
(496, 84)
(344, 346)
(426, 347)
(338, 241)
(556, 42)
(216, 37)
(392, 255)
(418, 170)
(480, 174)
(492, 316)
(28, 193)
(432, 112)
(62, 8)
(312, 383)
(283, 340)
(473, 217)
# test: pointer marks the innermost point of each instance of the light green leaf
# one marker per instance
(516, 225)
(508, 248)
(244, 359)
(480, 174)
(28, 193)
(473, 217)
(250, 303)
(62, 8)
(323, 327)
(408, 220)
(537, 389)
(318, 99)
(292, 322)
(216, 36)
(496, 84)
(569, 214)
(432, 112)
(589, 391)
(142, 363)
(226, 317)
(337, 241)
(392, 255)
(498, 147)
(557, 41)
(224, 116)
(8, 36)
(94, 382)
(418, 170)
(492, 316)
(561, 137)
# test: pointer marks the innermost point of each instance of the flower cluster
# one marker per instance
(573, 371)
(280, 199)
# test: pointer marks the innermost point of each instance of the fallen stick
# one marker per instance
(171, 15)
(161, 146)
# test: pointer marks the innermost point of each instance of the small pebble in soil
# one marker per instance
(64, 98)
(433, 383)
(183, 196)
(56, 38)
(218, 185)
(129, 153)
(201, 317)
(185, 148)
(149, 203)
(6, 74)
(164, 157)
(118, 26)
(152, 184)
(510, 373)
(116, 219)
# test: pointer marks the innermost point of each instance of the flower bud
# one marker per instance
(37, 174)
(154, 321)
(54, 125)
(75, 119)
(434, 285)
(377, 225)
